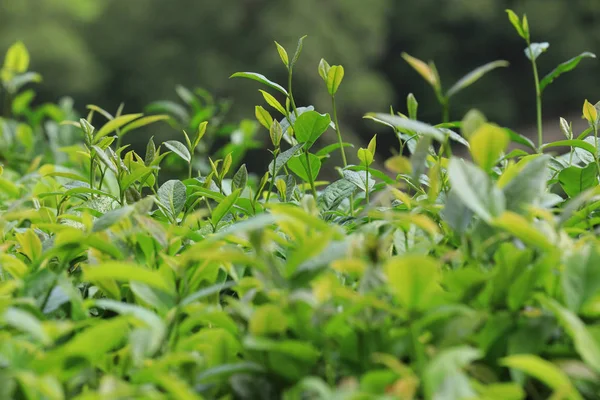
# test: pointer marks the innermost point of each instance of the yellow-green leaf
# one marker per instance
(282, 54)
(263, 117)
(521, 228)
(487, 145)
(414, 280)
(121, 271)
(272, 101)
(17, 59)
(422, 68)
(590, 113)
(115, 124)
(334, 78)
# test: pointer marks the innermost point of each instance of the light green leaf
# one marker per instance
(299, 166)
(282, 54)
(476, 190)
(115, 124)
(298, 50)
(575, 180)
(580, 279)
(224, 206)
(284, 157)
(26, 322)
(514, 20)
(172, 194)
(564, 67)
(122, 271)
(260, 78)
(474, 76)
(544, 371)
(585, 343)
(405, 124)
(268, 319)
(414, 281)
(16, 60)
(536, 49)
(335, 193)
(334, 78)
(179, 149)
(150, 119)
(272, 101)
(310, 126)
(487, 145)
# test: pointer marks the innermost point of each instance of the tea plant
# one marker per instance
(440, 278)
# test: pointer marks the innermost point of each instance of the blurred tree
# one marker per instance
(136, 51)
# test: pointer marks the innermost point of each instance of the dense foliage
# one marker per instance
(439, 278)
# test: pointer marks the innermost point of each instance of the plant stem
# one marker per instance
(290, 95)
(445, 110)
(310, 177)
(538, 99)
(272, 174)
(337, 130)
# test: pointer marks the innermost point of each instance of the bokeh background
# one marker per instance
(106, 52)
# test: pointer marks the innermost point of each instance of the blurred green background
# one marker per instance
(106, 52)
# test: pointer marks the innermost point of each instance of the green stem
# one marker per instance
(538, 99)
(290, 96)
(445, 110)
(310, 177)
(338, 132)
(272, 174)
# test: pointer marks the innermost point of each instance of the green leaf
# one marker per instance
(474, 76)
(16, 60)
(359, 179)
(283, 158)
(297, 349)
(414, 281)
(310, 126)
(365, 156)
(536, 49)
(298, 50)
(444, 377)
(268, 319)
(331, 148)
(528, 186)
(299, 166)
(324, 69)
(272, 101)
(520, 139)
(334, 78)
(26, 322)
(487, 145)
(179, 149)
(405, 124)
(121, 271)
(144, 121)
(240, 178)
(283, 54)
(260, 78)
(87, 344)
(475, 189)
(115, 124)
(335, 193)
(581, 144)
(112, 217)
(544, 371)
(514, 20)
(518, 226)
(423, 69)
(172, 195)
(585, 344)
(224, 206)
(564, 67)
(580, 280)
(575, 180)
(263, 117)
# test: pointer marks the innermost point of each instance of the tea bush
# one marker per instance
(441, 278)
